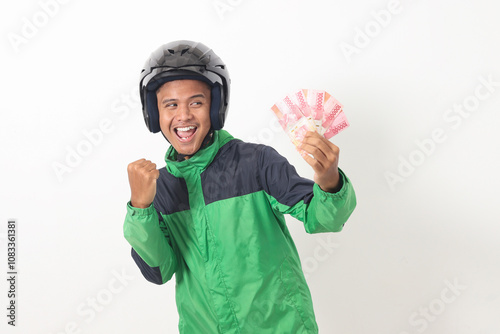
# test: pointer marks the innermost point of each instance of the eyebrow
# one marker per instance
(163, 102)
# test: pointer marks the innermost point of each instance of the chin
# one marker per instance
(185, 148)
(189, 150)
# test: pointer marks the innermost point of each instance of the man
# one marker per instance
(214, 214)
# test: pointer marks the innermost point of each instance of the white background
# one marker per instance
(388, 272)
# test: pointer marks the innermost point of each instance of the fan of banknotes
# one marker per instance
(310, 110)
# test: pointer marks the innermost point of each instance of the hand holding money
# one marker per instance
(310, 110)
(324, 160)
(311, 117)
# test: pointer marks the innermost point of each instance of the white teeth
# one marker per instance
(187, 128)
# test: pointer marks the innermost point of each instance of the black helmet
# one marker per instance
(184, 60)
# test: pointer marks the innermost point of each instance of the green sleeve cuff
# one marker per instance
(324, 195)
(139, 211)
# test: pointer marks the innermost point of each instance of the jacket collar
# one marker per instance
(200, 160)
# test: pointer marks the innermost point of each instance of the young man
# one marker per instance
(214, 215)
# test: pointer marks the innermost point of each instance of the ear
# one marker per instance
(215, 107)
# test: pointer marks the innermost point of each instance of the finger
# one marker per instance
(330, 150)
(317, 154)
(315, 145)
(316, 139)
(137, 165)
(134, 163)
(313, 135)
(146, 165)
(138, 162)
(317, 167)
(150, 167)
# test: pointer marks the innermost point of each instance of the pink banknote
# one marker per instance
(292, 120)
(310, 110)
(299, 98)
(332, 109)
(338, 124)
(316, 101)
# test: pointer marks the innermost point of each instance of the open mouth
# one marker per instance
(185, 134)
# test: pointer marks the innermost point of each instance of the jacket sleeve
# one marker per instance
(146, 232)
(289, 193)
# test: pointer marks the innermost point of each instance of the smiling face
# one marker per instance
(184, 107)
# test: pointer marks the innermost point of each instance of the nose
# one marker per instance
(183, 112)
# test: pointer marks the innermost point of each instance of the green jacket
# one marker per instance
(217, 223)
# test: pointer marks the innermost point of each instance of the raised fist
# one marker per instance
(142, 176)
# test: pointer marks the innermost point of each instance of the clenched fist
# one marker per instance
(142, 176)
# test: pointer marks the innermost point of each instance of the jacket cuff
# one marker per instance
(324, 195)
(133, 211)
